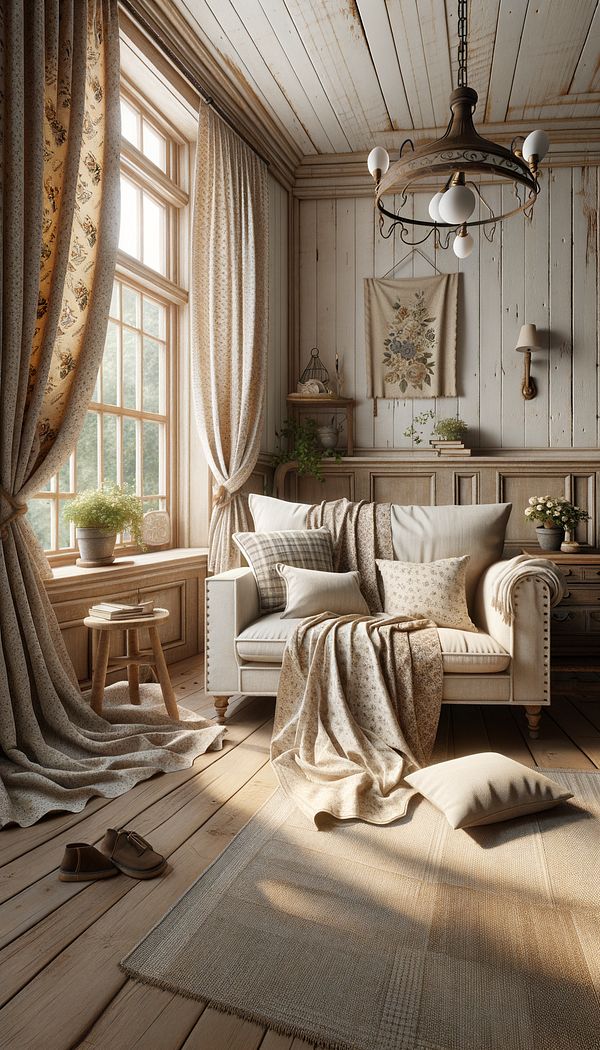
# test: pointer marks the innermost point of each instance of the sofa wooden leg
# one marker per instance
(221, 704)
(534, 714)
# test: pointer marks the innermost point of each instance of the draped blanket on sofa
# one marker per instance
(359, 696)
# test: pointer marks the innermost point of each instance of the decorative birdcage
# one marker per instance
(315, 371)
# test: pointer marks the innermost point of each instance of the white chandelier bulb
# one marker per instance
(378, 160)
(434, 207)
(456, 204)
(536, 144)
(462, 245)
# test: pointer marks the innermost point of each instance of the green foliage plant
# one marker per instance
(111, 508)
(300, 441)
(451, 429)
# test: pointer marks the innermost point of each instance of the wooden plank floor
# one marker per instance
(60, 943)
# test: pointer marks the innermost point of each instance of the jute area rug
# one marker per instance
(411, 936)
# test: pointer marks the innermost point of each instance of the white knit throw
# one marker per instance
(514, 570)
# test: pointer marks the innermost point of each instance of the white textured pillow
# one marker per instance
(434, 590)
(428, 533)
(310, 592)
(276, 515)
(486, 788)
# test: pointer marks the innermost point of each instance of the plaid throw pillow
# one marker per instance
(306, 549)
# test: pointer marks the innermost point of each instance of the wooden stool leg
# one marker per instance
(534, 714)
(133, 670)
(163, 674)
(99, 679)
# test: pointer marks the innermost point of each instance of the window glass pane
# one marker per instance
(115, 310)
(87, 454)
(65, 538)
(154, 318)
(130, 123)
(64, 478)
(154, 234)
(154, 146)
(40, 516)
(152, 471)
(131, 306)
(152, 370)
(109, 447)
(109, 365)
(130, 356)
(129, 235)
(129, 453)
(151, 504)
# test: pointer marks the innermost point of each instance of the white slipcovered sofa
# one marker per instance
(500, 664)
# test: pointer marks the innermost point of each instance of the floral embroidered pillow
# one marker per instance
(432, 590)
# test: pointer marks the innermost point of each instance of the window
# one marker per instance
(126, 438)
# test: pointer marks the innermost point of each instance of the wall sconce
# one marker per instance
(528, 340)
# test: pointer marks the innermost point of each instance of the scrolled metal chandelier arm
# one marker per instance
(454, 158)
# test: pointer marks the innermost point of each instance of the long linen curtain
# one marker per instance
(229, 320)
(59, 201)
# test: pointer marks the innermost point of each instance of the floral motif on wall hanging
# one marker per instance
(411, 336)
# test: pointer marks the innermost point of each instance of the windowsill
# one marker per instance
(128, 566)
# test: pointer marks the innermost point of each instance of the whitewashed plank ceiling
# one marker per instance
(338, 75)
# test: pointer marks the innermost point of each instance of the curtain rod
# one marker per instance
(132, 10)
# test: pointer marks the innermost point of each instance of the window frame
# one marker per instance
(169, 289)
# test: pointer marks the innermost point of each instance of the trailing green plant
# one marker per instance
(450, 429)
(299, 442)
(111, 508)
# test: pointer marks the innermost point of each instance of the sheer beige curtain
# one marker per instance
(59, 201)
(229, 320)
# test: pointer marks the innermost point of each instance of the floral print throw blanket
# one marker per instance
(359, 696)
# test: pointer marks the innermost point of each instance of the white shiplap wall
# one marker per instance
(277, 359)
(544, 272)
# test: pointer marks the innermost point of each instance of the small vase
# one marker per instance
(96, 547)
(549, 539)
(328, 436)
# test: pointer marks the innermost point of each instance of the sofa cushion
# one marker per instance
(276, 515)
(309, 592)
(432, 590)
(429, 533)
(311, 549)
(463, 652)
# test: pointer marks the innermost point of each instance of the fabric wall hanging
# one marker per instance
(410, 336)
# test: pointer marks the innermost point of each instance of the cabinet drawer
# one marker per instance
(592, 574)
(569, 621)
(593, 621)
(580, 594)
(573, 573)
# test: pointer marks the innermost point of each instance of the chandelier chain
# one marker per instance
(462, 43)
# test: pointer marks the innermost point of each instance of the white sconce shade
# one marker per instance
(462, 245)
(457, 204)
(536, 145)
(434, 207)
(529, 339)
(378, 161)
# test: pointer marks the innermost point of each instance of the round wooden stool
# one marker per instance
(132, 659)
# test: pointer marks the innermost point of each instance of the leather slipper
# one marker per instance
(132, 854)
(84, 863)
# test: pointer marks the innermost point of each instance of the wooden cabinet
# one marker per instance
(576, 621)
(174, 579)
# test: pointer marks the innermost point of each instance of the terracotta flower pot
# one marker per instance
(549, 539)
(96, 546)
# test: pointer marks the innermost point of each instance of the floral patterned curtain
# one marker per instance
(229, 320)
(59, 200)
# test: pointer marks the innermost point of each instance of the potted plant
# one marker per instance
(450, 429)
(329, 433)
(304, 447)
(98, 515)
(556, 516)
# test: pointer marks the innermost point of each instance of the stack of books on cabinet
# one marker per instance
(450, 448)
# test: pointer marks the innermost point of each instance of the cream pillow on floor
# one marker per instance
(432, 590)
(486, 788)
(310, 592)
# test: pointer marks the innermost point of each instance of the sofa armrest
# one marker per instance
(527, 638)
(231, 605)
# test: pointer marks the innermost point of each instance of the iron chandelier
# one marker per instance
(454, 159)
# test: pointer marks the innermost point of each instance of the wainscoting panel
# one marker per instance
(404, 487)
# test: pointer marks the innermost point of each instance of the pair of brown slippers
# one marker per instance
(120, 851)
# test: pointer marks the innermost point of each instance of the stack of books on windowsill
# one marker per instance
(119, 611)
(450, 448)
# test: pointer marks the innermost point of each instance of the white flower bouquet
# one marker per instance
(555, 512)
